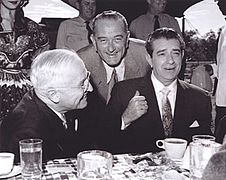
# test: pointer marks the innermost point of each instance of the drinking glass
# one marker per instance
(31, 158)
(200, 153)
(94, 164)
(203, 138)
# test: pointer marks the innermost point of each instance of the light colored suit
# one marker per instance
(136, 65)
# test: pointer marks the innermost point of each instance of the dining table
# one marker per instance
(156, 166)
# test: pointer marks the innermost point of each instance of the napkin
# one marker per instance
(58, 168)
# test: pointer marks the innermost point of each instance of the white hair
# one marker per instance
(51, 66)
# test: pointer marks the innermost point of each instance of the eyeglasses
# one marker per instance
(84, 86)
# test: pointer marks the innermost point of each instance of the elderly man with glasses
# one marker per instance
(52, 110)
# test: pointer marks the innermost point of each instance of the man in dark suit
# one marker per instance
(113, 51)
(52, 110)
(140, 105)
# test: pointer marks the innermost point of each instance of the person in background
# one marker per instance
(221, 74)
(221, 130)
(155, 18)
(75, 33)
(158, 105)
(201, 76)
(21, 39)
(51, 110)
(113, 56)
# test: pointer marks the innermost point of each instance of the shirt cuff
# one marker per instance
(123, 126)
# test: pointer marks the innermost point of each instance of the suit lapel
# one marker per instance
(153, 114)
(182, 109)
(131, 68)
(99, 77)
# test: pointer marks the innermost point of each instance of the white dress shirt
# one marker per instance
(120, 71)
(158, 86)
(64, 122)
(221, 70)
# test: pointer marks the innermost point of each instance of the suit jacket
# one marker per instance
(192, 104)
(34, 119)
(136, 65)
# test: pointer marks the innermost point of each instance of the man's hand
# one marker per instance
(136, 108)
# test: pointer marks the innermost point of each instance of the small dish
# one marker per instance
(16, 170)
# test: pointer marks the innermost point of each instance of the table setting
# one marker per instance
(178, 161)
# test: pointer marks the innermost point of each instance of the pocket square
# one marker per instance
(194, 124)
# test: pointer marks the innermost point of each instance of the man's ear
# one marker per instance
(53, 95)
(93, 41)
(182, 54)
(128, 36)
(149, 59)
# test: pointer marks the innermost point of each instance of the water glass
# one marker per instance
(94, 164)
(203, 138)
(31, 158)
(200, 153)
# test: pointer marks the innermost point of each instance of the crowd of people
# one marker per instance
(107, 85)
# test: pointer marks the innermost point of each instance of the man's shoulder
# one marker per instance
(139, 19)
(87, 51)
(193, 89)
(165, 15)
(132, 82)
(26, 105)
(136, 42)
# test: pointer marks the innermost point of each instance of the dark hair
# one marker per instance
(166, 33)
(110, 15)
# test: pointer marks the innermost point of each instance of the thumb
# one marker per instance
(137, 93)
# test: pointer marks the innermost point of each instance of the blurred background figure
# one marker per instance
(21, 39)
(201, 76)
(221, 75)
(155, 18)
(75, 33)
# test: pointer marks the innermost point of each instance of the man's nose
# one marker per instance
(90, 87)
(170, 58)
(111, 46)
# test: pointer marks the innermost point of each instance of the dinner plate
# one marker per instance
(16, 170)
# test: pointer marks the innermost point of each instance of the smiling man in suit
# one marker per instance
(53, 109)
(113, 54)
(145, 113)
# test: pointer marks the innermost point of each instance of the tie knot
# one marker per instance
(156, 16)
(165, 91)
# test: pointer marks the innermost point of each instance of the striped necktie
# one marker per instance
(167, 118)
(113, 80)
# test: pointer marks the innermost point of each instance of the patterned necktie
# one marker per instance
(113, 80)
(156, 24)
(167, 118)
(89, 31)
(64, 122)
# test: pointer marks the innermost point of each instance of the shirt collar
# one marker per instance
(158, 86)
(120, 69)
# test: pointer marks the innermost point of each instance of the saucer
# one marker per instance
(16, 170)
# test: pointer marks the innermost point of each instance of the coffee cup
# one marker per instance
(6, 162)
(174, 147)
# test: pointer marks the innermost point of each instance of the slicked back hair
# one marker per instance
(163, 33)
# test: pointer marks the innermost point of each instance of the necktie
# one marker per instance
(156, 24)
(64, 122)
(113, 80)
(167, 118)
(89, 31)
